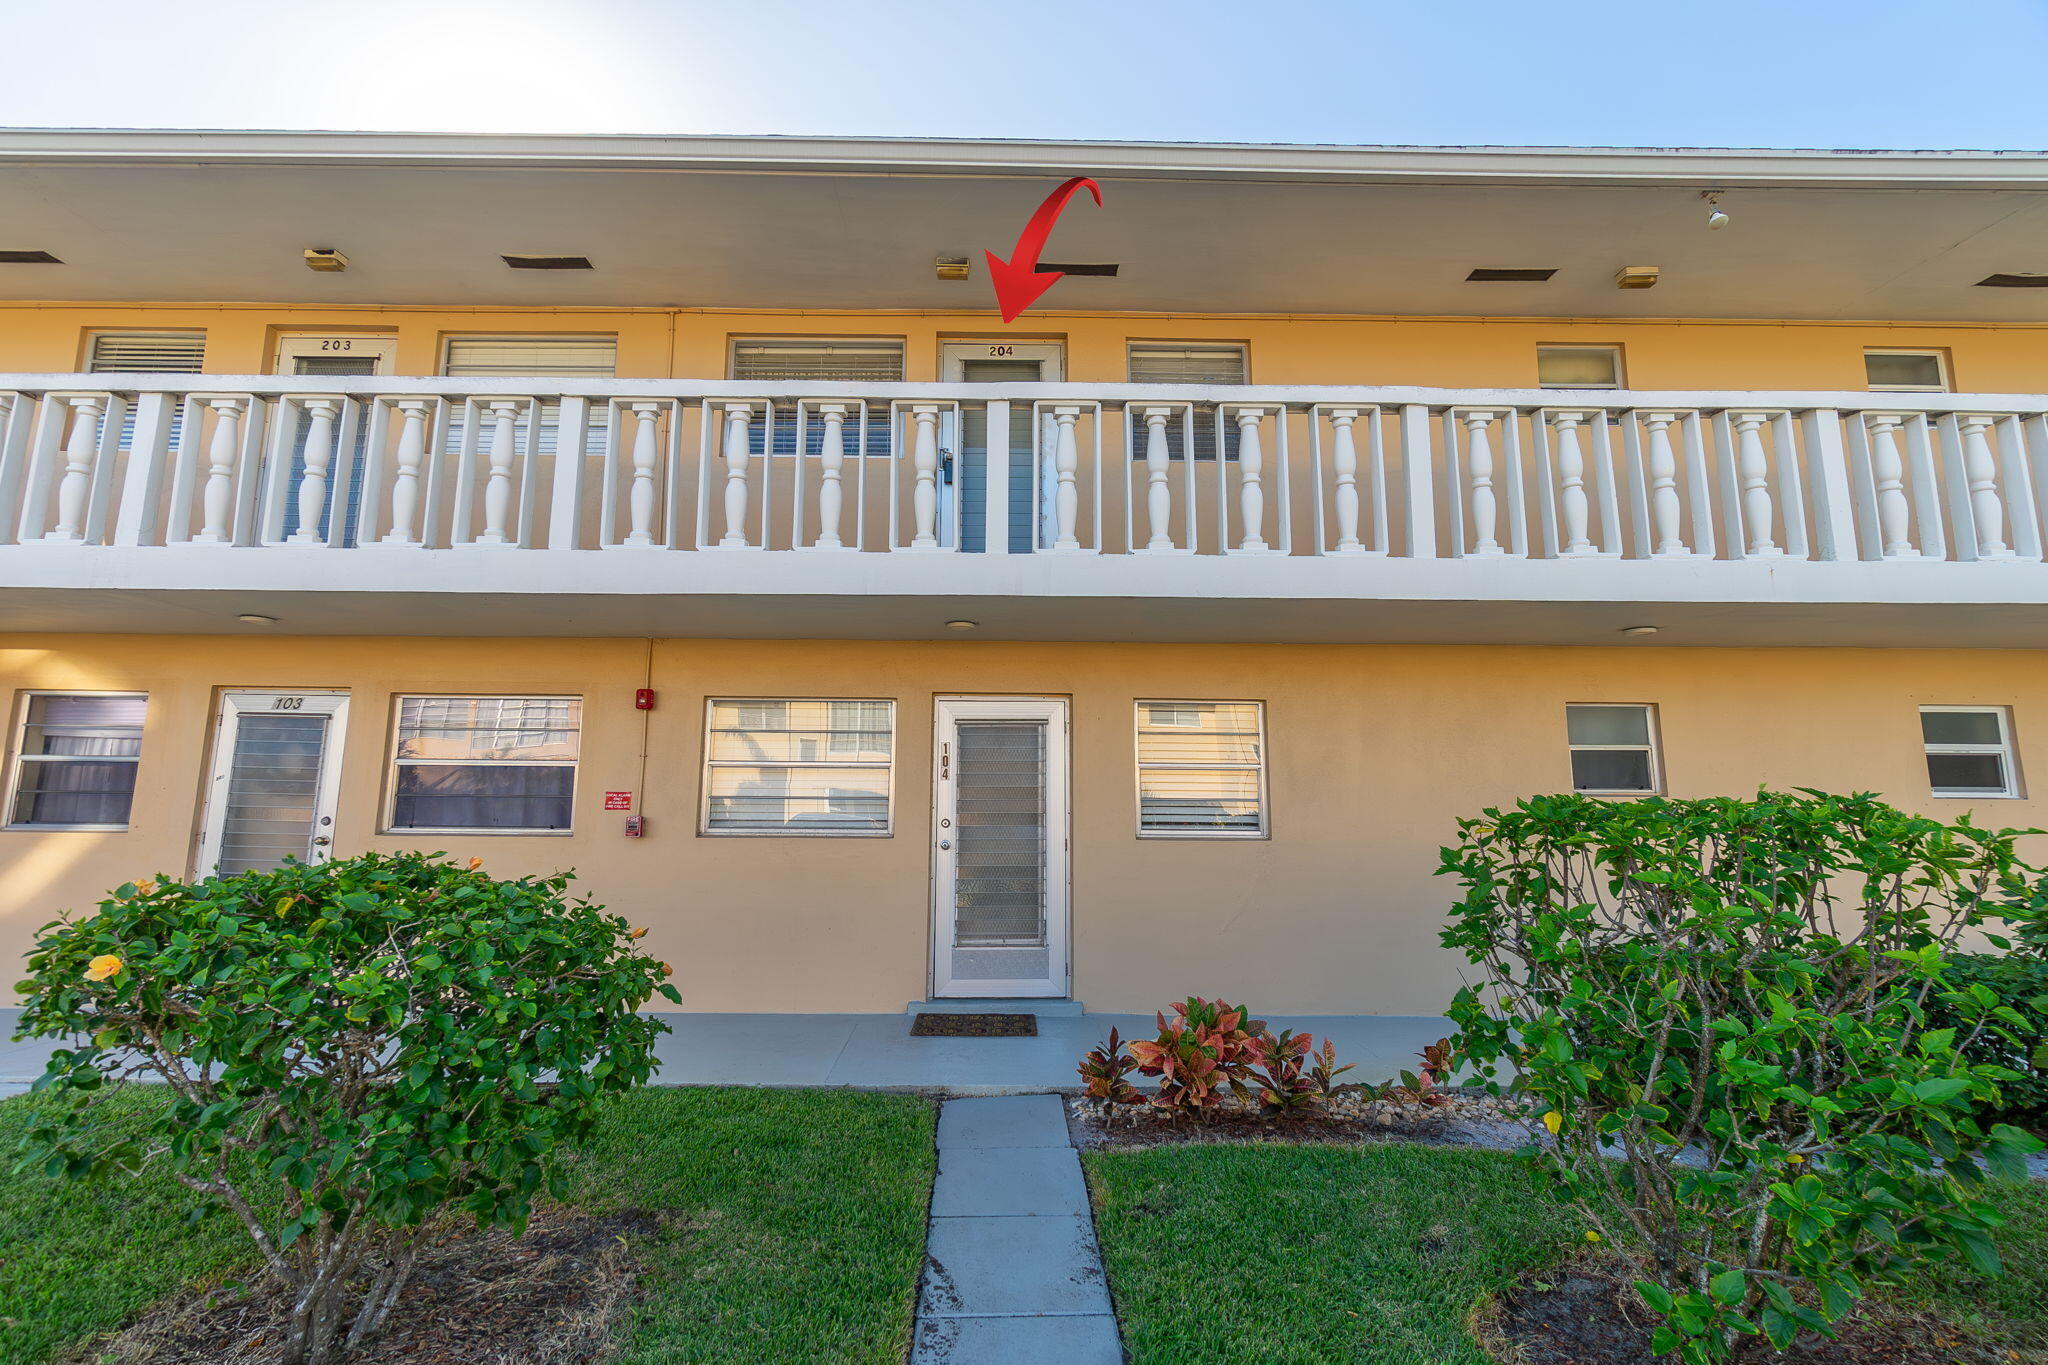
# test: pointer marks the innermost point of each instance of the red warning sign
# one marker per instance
(618, 800)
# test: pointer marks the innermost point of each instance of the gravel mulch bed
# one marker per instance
(1469, 1119)
(550, 1297)
(1588, 1313)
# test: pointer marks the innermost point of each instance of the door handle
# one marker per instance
(321, 841)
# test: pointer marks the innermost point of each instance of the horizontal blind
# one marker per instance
(1163, 364)
(1152, 364)
(799, 362)
(148, 353)
(852, 362)
(1200, 768)
(559, 357)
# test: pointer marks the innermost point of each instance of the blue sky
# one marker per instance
(1797, 73)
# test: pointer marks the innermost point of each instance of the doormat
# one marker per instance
(974, 1026)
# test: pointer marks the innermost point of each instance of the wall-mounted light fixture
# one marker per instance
(1716, 219)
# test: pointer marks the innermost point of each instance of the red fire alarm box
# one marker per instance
(643, 698)
(636, 825)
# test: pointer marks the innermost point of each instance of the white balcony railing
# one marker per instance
(376, 466)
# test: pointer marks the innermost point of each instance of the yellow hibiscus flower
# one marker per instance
(102, 967)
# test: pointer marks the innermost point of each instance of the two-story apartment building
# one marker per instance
(674, 511)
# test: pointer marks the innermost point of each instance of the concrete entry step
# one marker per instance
(1044, 1009)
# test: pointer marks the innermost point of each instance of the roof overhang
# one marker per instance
(856, 223)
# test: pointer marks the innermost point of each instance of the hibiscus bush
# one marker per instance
(1721, 1009)
(351, 1048)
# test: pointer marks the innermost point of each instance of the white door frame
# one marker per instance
(238, 702)
(1058, 817)
(381, 347)
(954, 355)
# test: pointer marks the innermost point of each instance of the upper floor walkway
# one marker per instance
(1039, 511)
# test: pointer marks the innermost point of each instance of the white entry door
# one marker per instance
(276, 773)
(999, 833)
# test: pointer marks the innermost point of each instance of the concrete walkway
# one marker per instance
(1012, 1275)
(876, 1051)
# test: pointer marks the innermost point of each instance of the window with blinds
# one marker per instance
(556, 357)
(798, 767)
(75, 759)
(488, 357)
(1153, 362)
(147, 353)
(800, 361)
(495, 764)
(1202, 769)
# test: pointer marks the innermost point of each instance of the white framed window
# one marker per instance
(146, 353)
(798, 766)
(485, 765)
(1969, 751)
(799, 361)
(1193, 362)
(1614, 749)
(483, 357)
(1201, 769)
(1906, 371)
(1578, 367)
(75, 756)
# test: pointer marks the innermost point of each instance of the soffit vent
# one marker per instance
(1061, 268)
(1493, 275)
(28, 258)
(2013, 282)
(547, 262)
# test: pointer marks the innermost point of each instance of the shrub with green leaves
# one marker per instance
(2020, 979)
(1721, 1010)
(353, 1047)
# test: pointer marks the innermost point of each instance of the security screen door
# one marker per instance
(276, 771)
(999, 834)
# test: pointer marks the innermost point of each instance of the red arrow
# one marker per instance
(1018, 281)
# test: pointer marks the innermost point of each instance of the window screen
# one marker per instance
(1171, 363)
(798, 767)
(148, 353)
(1905, 371)
(1578, 367)
(1613, 748)
(75, 759)
(1201, 768)
(799, 362)
(485, 763)
(1969, 750)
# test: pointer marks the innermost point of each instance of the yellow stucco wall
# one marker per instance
(1450, 352)
(1374, 752)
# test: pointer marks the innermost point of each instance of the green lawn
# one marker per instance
(1376, 1255)
(802, 1229)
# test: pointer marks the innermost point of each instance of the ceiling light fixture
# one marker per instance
(1635, 277)
(254, 619)
(1639, 630)
(962, 625)
(326, 260)
(953, 267)
(1716, 219)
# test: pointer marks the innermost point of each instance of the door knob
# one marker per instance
(321, 841)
